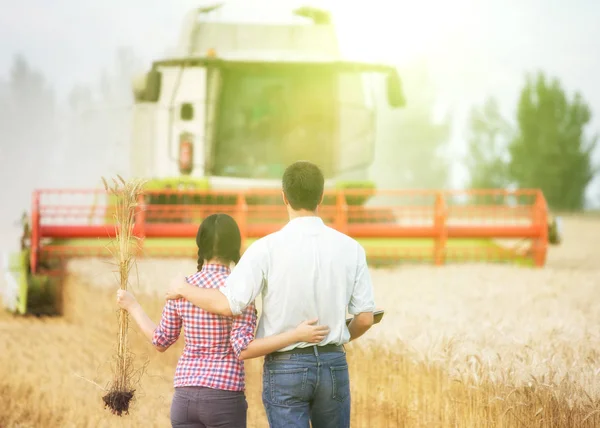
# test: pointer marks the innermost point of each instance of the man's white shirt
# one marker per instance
(304, 271)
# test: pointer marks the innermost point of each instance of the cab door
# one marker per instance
(356, 124)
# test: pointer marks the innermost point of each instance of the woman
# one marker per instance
(209, 379)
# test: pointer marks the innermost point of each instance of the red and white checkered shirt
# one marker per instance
(213, 343)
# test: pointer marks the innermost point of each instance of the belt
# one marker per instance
(313, 350)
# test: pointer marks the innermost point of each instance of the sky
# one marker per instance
(474, 48)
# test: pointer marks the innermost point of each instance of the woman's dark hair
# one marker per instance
(218, 237)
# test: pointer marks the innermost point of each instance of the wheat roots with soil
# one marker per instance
(126, 194)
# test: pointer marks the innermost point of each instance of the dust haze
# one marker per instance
(68, 142)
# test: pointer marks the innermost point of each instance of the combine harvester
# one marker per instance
(213, 129)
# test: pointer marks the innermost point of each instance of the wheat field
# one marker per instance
(459, 346)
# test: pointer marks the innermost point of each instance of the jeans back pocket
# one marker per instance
(340, 379)
(288, 386)
(180, 407)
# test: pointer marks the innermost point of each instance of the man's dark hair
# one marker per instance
(303, 184)
(218, 237)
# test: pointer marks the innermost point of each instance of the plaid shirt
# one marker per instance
(213, 343)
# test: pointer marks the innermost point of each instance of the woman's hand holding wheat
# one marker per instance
(125, 299)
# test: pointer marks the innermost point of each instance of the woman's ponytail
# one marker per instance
(200, 259)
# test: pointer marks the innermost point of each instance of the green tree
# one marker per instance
(551, 150)
(487, 157)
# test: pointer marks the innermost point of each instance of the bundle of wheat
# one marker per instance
(126, 195)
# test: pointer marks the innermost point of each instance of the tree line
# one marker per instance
(48, 140)
(547, 148)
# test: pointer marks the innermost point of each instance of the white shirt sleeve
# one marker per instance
(362, 299)
(247, 278)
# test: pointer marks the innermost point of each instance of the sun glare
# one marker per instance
(397, 31)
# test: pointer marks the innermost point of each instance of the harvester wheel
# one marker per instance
(39, 294)
(44, 295)
(555, 231)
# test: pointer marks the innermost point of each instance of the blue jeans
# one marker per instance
(299, 389)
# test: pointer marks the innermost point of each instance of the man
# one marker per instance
(306, 270)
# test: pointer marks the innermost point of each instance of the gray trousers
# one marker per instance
(199, 407)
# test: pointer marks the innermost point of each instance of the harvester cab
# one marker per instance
(240, 100)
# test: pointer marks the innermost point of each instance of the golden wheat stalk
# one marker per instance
(126, 194)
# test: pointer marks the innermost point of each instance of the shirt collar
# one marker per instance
(307, 222)
(216, 267)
